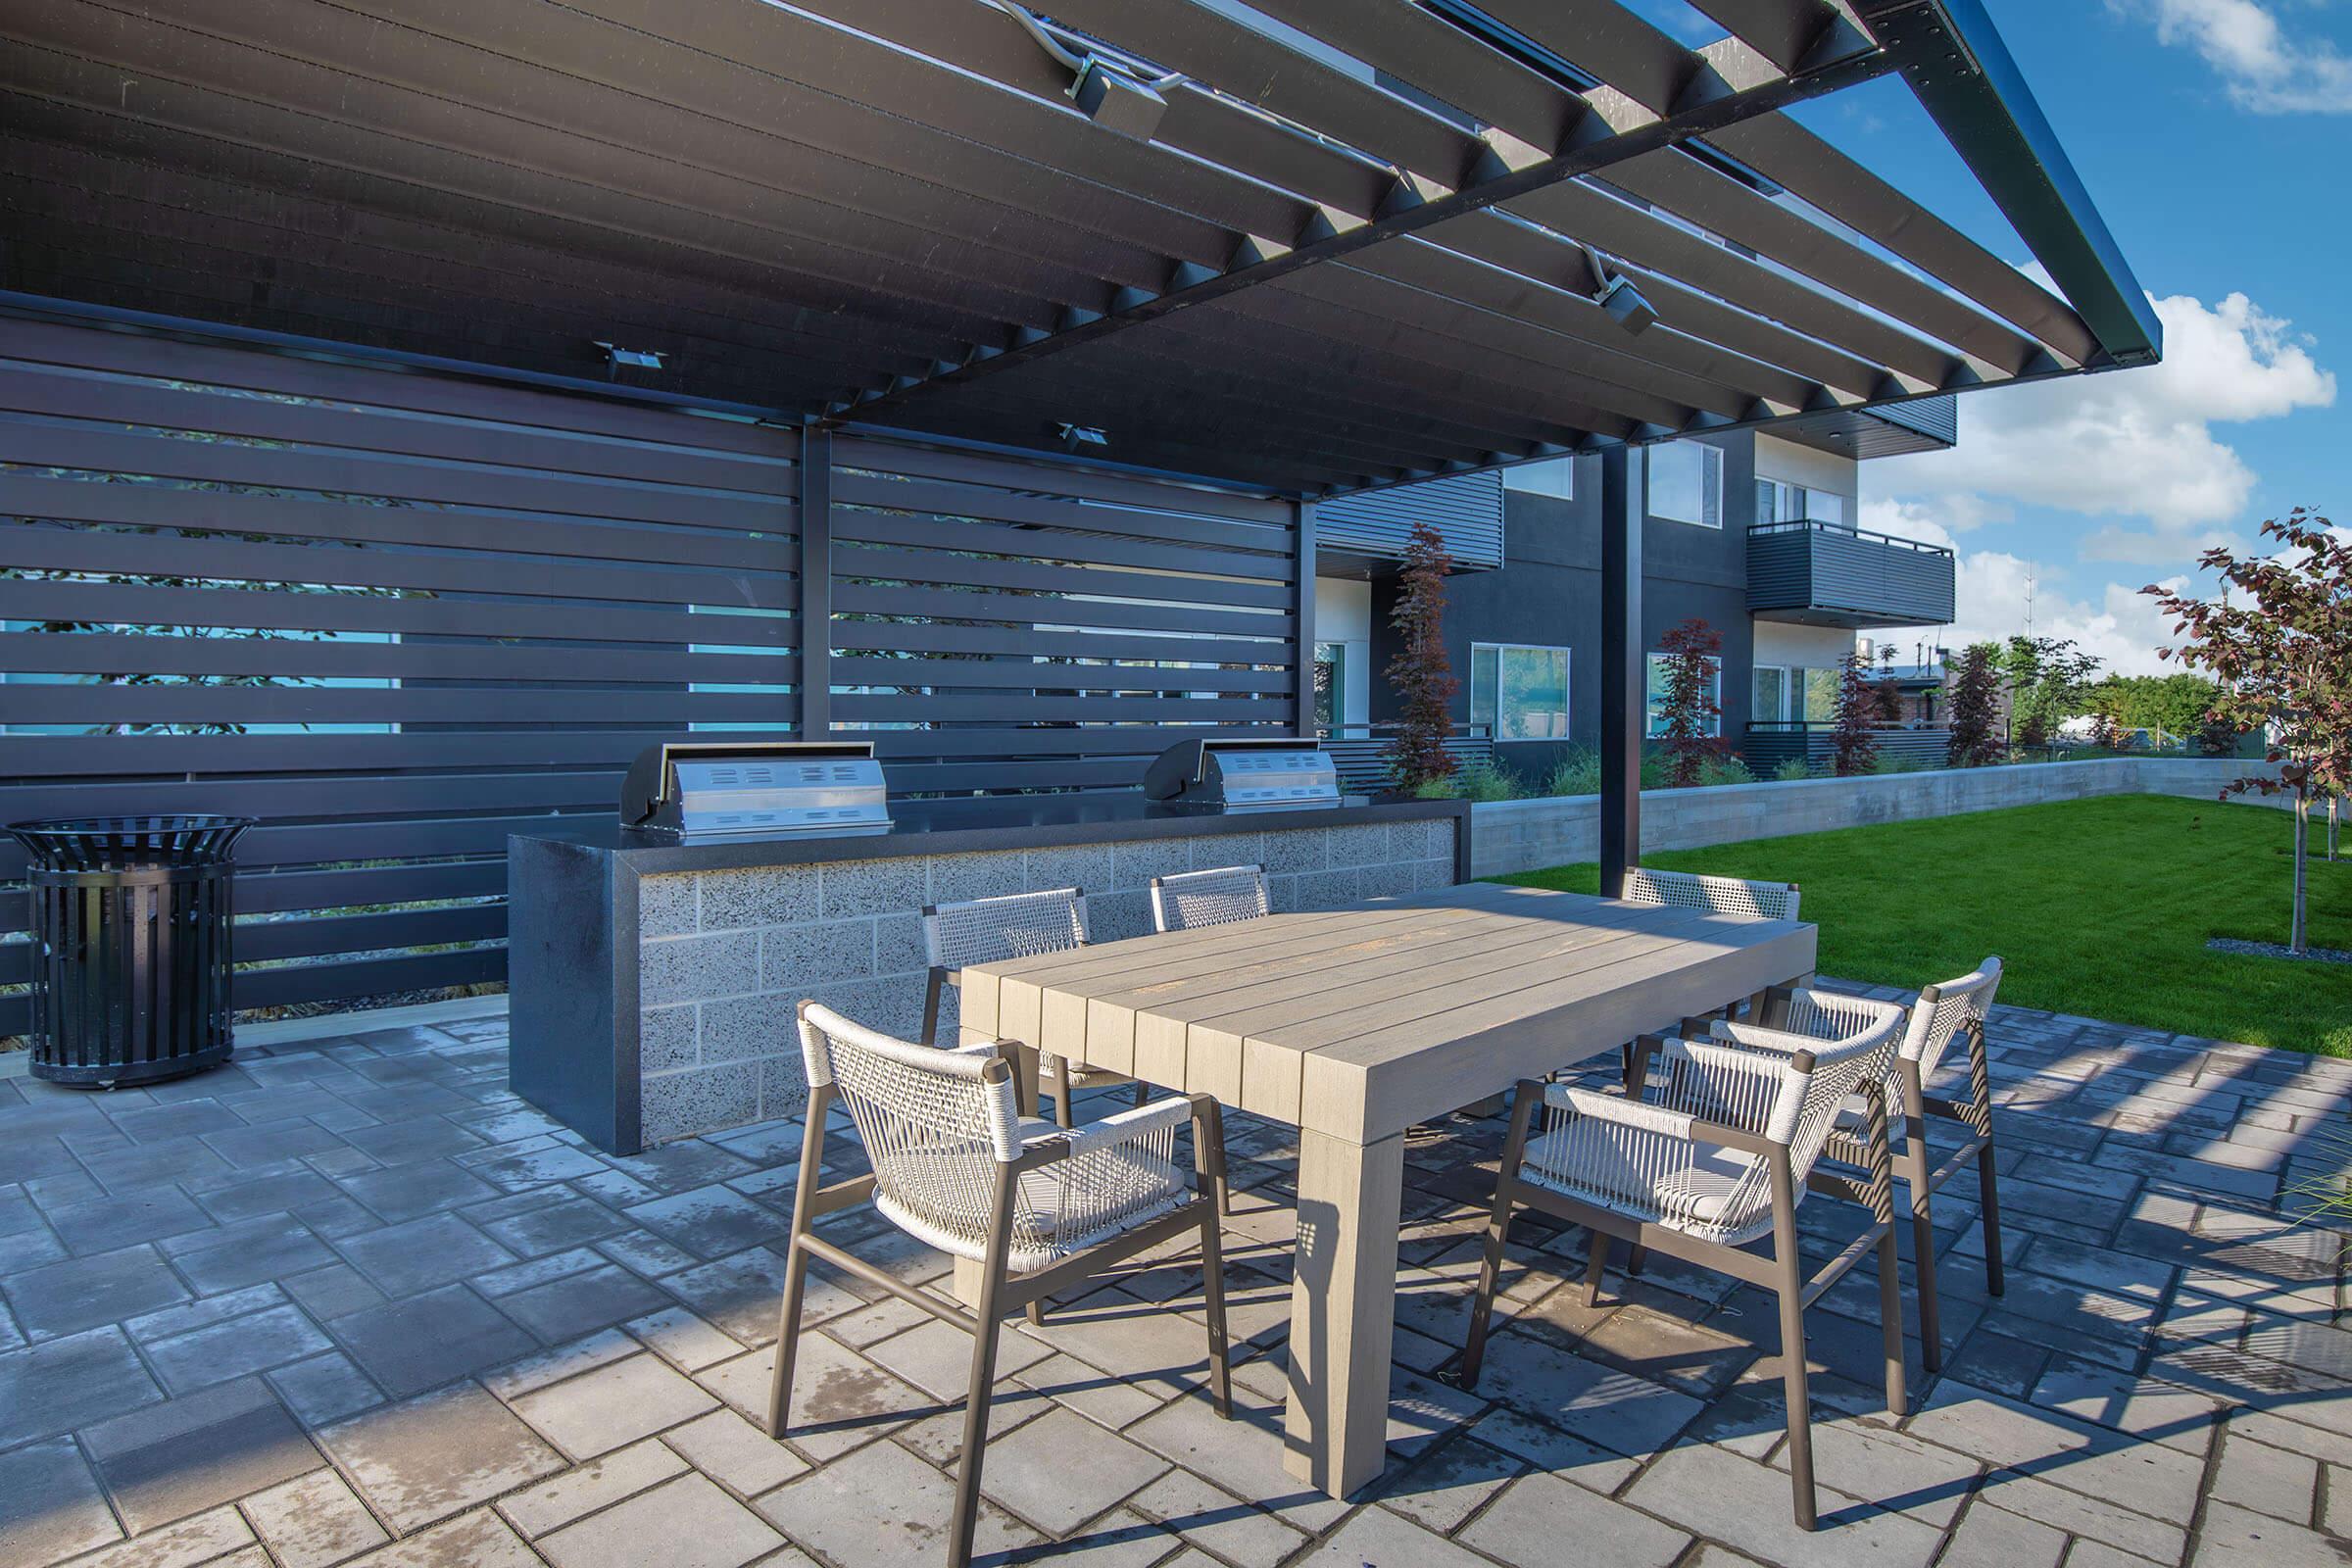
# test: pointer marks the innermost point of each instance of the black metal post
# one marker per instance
(1303, 602)
(1624, 673)
(816, 583)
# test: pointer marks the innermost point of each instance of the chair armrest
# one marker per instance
(1755, 1036)
(1657, 1120)
(1129, 1125)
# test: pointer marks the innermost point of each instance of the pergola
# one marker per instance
(1301, 248)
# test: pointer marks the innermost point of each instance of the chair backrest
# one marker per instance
(936, 1124)
(1011, 925)
(1945, 1012)
(1221, 896)
(1766, 1091)
(1723, 895)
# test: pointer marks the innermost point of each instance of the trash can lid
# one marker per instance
(109, 843)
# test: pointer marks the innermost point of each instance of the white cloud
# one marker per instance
(2129, 444)
(2264, 68)
(1998, 591)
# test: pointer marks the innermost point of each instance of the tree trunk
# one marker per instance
(2295, 942)
(2333, 802)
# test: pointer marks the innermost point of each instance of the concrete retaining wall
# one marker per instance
(1508, 836)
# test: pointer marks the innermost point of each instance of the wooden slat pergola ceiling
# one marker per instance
(1357, 248)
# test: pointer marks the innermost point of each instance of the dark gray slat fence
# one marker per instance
(1770, 746)
(526, 619)
(957, 562)
(518, 617)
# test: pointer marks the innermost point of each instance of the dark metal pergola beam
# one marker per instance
(1963, 74)
(1609, 134)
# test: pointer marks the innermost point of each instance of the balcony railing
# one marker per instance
(1360, 753)
(1831, 574)
(1773, 743)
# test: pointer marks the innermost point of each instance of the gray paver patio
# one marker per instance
(349, 1299)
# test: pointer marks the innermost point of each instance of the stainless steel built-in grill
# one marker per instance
(755, 789)
(1239, 776)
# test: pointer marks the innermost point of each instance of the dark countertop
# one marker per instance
(972, 825)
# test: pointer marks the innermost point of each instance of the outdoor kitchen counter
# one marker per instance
(652, 983)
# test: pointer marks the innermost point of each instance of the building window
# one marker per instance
(1520, 693)
(1331, 686)
(1777, 501)
(1656, 706)
(1818, 690)
(1771, 705)
(1686, 482)
(1556, 476)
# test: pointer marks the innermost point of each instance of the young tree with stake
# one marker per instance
(2281, 646)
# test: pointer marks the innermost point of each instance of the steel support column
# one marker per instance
(1624, 673)
(817, 582)
(1303, 601)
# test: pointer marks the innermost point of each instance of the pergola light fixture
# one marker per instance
(1626, 305)
(1111, 92)
(1082, 438)
(617, 357)
(1116, 101)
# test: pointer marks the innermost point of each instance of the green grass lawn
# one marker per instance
(2099, 907)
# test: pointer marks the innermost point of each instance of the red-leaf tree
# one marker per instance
(1976, 708)
(1690, 710)
(1420, 673)
(2281, 646)
(1860, 709)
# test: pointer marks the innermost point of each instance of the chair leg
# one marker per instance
(1499, 1229)
(1922, 1247)
(1064, 1094)
(1596, 1263)
(1636, 1070)
(1795, 1390)
(788, 1338)
(1891, 1320)
(1035, 1311)
(1212, 1297)
(989, 1310)
(1143, 1093)
(1989, 1209)
(931, 989)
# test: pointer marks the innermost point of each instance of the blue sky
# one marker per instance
(2214, 136)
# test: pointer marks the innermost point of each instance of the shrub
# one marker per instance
(1577, 773)
(1792, 769)
(1691, 714)
(1976, 692)
(1485, 781)
(1420, 672)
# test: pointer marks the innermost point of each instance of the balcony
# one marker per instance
(1364, 535)
(1772, 744)
(1828, 574)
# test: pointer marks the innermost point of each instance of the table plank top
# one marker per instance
(1360, 1021)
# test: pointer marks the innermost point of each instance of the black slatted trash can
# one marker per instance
(130, 933)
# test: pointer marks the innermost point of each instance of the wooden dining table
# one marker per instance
(1353, 1025)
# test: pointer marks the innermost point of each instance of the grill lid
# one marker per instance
(705, 789)
(1232, 776)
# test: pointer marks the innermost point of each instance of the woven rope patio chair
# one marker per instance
(1011, 925)
(1723, 895)
(1039, 1208)
(1193, 899)
(1956, 1010)
(1713, 1157)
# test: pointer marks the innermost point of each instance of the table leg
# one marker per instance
(1343, 1309)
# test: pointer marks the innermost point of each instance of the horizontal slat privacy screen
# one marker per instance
(399, 616)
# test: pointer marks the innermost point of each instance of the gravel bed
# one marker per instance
(2277, 950)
